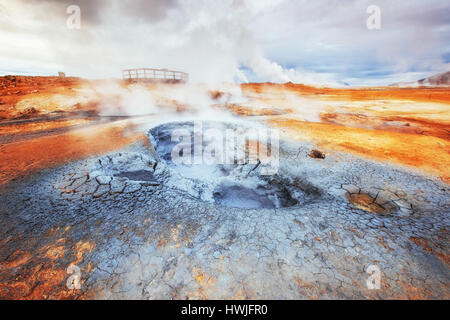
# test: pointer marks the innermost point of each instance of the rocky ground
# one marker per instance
(133, 236)
(91, 207)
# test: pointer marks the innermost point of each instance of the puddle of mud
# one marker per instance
(139, 175)
(239, 196)
(231, 185)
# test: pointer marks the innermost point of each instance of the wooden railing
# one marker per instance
(150, 74)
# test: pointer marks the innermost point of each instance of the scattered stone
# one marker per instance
(29, 111)
(316, 154)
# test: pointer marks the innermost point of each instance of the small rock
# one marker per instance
(316, 154)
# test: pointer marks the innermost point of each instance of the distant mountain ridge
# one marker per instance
(441, 79)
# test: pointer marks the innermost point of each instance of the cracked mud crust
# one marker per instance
(135, 237)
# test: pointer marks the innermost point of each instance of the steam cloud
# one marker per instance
(315, 42)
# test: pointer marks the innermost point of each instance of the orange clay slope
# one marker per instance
(403, 126)
(430, 154)
(29, 156)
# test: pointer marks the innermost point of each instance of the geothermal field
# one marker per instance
(350, 190)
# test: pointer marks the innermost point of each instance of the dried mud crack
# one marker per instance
(139, 226)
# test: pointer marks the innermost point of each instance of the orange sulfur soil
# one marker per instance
(14, 89)
(428, 153)
(30, 127)
(406, 126)
(423, 94)
(25, 157)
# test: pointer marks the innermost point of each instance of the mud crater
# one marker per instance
(239, 183)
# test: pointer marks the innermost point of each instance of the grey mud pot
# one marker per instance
(139, 226)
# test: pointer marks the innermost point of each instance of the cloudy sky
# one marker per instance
(314, 42)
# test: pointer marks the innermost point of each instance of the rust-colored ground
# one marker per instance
(406, 126)
(428, 153)
(29, 156)
(25, 97)
(47, 121)
(423, 94)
